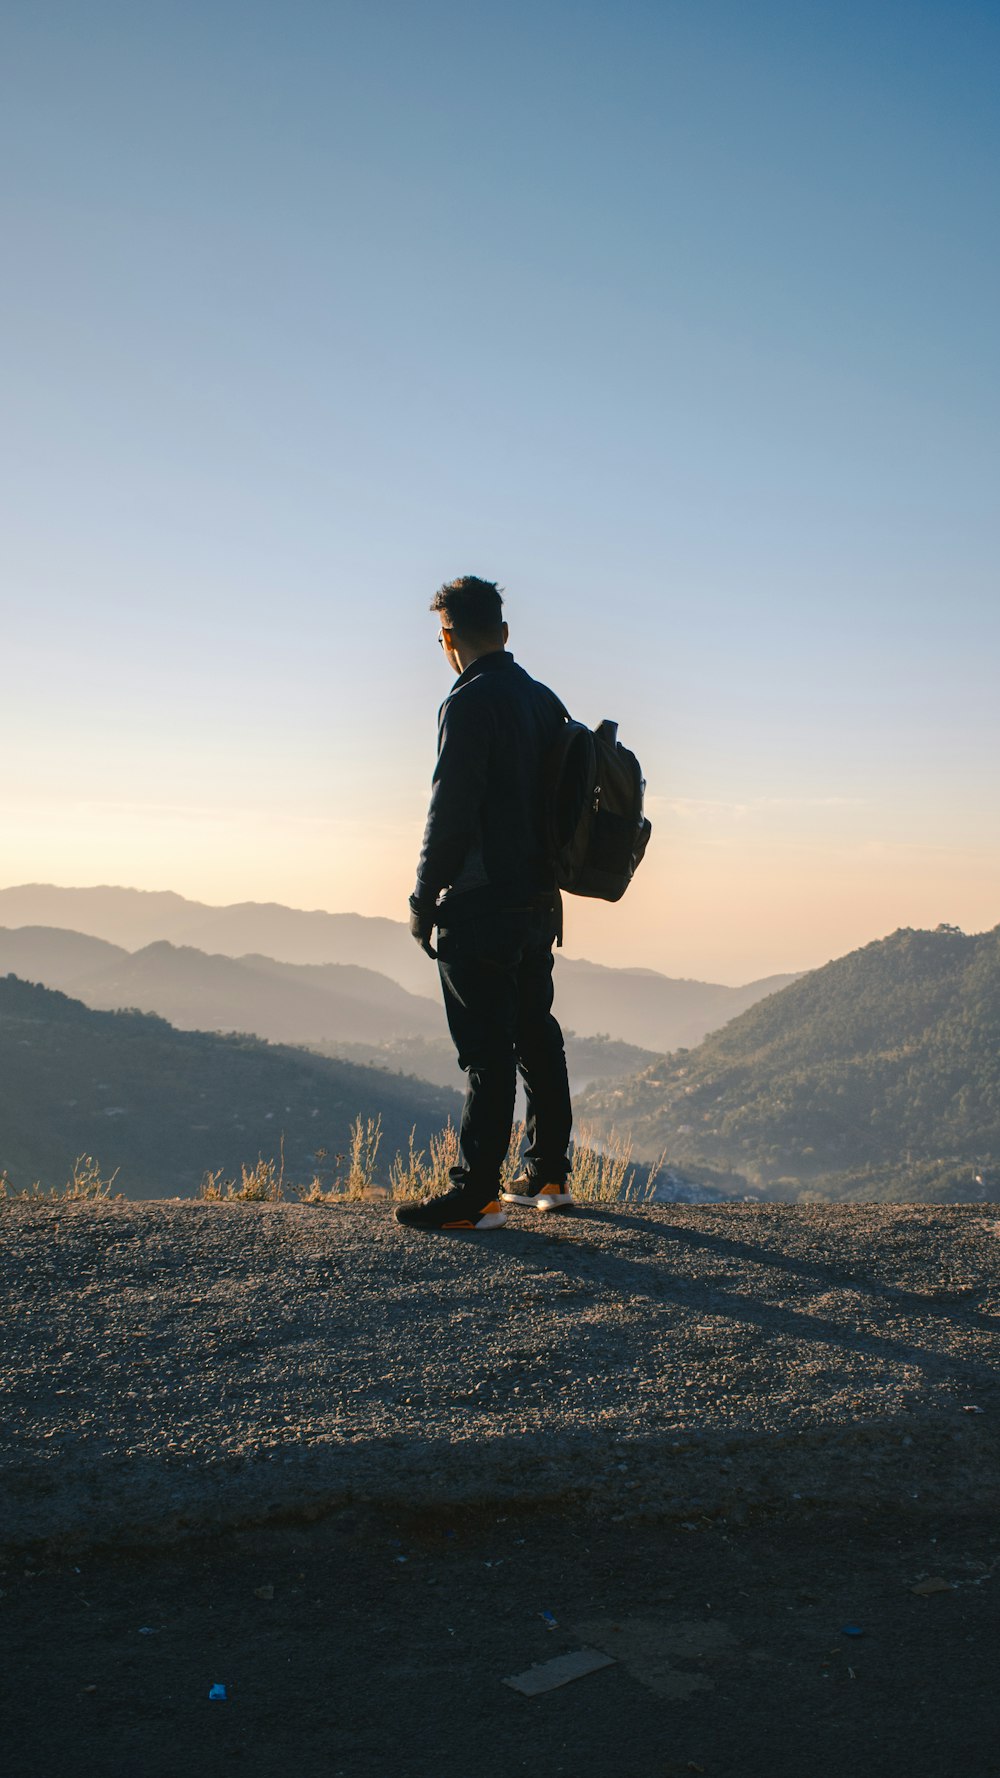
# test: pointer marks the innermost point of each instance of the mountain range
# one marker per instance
(636, 1006)
(166, 1106)
(875, 1077)
(338, 1009)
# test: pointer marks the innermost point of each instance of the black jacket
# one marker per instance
(485, 833)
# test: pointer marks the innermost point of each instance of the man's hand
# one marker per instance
(421, 927)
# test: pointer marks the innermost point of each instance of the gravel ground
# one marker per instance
(178, 1367)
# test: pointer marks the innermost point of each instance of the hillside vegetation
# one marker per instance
(874, 1078)
(165, 1106)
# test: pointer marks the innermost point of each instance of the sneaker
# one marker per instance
(528, 1190)
(455, 1209)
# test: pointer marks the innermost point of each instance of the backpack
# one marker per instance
(597, 832)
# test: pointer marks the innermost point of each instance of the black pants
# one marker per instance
(496, 974)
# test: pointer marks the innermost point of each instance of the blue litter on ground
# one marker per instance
(851, 1630)
(217, 1693)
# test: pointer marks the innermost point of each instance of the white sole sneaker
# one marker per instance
(491, 1219)
(551, 1197)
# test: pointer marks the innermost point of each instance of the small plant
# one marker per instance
(359, 1182)
(86, 1181)
(316, 1192)
(365, 1141)
(263, 1183)
(407, 1173)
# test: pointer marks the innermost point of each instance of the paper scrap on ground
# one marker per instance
(550, 1674)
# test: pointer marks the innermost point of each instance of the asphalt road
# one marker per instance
(374, 1641)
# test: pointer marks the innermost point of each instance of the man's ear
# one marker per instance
(506, 633)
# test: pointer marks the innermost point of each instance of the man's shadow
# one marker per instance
(565, 1249)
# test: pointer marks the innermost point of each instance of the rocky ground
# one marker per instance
(714, 1442)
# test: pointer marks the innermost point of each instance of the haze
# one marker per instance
(680, 321)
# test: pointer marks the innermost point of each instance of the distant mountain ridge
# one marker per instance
(284, 1002)
(166, 1106)
(876, 1077)
(592, 997)
(134, 918)
(638, 1006)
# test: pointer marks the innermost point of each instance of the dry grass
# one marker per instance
(602, 1174)
(606, 1175)
(263, 1183)
(358, 1183)
(415, 1175)
(86, 1184)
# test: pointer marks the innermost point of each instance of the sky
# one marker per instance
(678, 319)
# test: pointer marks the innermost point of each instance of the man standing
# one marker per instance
(485, 881)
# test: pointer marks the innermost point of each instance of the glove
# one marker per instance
(421, 928)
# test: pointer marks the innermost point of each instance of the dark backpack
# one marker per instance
(597, 832)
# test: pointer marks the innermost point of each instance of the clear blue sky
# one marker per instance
(679, 319)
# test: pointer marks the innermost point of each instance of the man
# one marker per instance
(485, 881)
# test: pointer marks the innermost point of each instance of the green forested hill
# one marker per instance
(876, 1077)
(165, 1106)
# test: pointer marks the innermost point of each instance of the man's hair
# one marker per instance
(473, 608)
